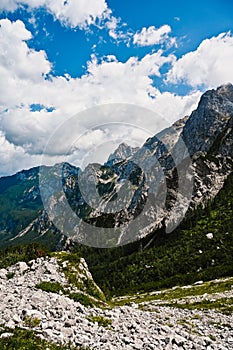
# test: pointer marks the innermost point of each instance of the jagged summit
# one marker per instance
(47, 293)
(226, 90)
(120, 186)
(211, 118)
(122, 152)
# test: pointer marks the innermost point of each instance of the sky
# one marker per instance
(78, 77)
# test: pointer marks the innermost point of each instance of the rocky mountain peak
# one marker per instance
(122, 152)
(117, 191)
(211, 118)
(226, 90)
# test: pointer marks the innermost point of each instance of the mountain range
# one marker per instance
(140, 200)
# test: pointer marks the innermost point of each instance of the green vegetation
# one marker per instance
(157, 262)
(10, 275)
(91, 289)
(19, 207)
(12, 255)
(212, 337)
(31, 322)
(224, 305)
(69, 264)
(102, 321)
(83, 299)
(180, 258)
(53, 287)
(89, 294)
(23, 339)
(180, 292)
(21, 204)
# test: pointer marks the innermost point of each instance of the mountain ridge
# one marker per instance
(210, 149)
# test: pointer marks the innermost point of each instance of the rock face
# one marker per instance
(59, 319)
(123, 152)
(136, 192)
(210, 120)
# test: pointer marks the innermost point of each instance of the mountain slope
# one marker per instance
(207, 135)
(127, 195)
(200, 249)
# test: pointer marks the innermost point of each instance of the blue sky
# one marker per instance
(69, 49)
(59, 58)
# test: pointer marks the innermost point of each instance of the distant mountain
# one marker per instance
(126, 193)
(22, 218)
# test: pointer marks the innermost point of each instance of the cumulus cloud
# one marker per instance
(13, 157)
(209, 66)
(152, 36)
(129, 80)
(173, 106)
(16, 58)
(70, 12)
(83, 13)
(74, 13)
(26, 81)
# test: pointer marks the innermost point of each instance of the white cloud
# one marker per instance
(112, 27)
(16, 58)
(83, 13)
(71, 12)
(117, 31)
(152, 36)
(8, 5)
(13, 157)
(173, 106)
(210, 65)
(24, 133)
(129, 80)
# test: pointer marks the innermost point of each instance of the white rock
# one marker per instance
(22, 266)
(3, 273)
(6, 335)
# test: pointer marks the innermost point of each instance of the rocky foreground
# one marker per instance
(148, 325)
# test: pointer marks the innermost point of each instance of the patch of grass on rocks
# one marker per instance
(56, 287)
(31, 322)
(70, 266)
(102, 321)
(224, 305)
(53, 287)
(23, 339)
(182, 292)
